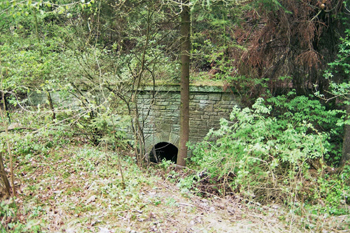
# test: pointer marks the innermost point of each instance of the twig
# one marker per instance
(20, 128)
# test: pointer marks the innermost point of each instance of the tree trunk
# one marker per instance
(185, 77)
(5, 125)
(51, 105)
(4, 176)
(346, 141)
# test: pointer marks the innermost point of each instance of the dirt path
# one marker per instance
(195, 214)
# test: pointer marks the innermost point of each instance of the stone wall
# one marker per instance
(161, 118)
(162, 123)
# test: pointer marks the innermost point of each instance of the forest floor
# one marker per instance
(80, 189)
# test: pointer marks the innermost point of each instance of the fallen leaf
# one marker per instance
(91, 199)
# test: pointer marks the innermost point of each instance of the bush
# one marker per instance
(262, 156)
(298, 109)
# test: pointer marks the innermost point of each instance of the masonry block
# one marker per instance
(214, 96)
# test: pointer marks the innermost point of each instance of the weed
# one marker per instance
(157, 202)
(165, 164)
(186, 184)
(171, 202)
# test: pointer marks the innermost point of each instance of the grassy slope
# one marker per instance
(79, 189)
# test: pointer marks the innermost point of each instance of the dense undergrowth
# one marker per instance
(65, 183)
(278, 151)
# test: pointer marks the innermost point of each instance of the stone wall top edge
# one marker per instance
(176, 88)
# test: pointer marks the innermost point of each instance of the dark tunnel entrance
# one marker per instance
(163, 150)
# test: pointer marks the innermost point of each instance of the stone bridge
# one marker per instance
(162, 124)
(161, 118)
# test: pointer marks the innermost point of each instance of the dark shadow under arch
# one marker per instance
(163, 150)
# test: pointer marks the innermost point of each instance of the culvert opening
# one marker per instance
(163, 150)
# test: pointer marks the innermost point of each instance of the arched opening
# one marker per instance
(163, 150)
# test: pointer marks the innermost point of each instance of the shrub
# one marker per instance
(263, 156)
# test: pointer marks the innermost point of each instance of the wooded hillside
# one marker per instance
(287, 143)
